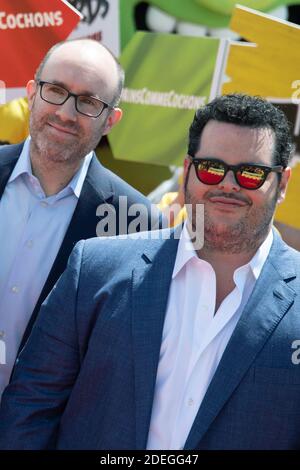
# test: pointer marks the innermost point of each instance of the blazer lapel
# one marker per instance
(150, 284)
(8, 159)
(265, 309)
(82, 226)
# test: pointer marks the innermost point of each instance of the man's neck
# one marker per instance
(53, 176)
(237, 255)
(225, 261)
(224, 265)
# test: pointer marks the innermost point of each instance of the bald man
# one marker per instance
(52, 187)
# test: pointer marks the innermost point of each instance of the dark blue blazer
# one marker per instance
(86, 377)
(100, 186)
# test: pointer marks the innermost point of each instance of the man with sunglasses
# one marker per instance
(52, 186)
(166, 343)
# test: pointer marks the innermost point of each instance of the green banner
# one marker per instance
(167, 78)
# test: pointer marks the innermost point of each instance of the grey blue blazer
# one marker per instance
(86, 377)
(101, 186)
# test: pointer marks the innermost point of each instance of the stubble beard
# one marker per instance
(243, 236)
(52, 152)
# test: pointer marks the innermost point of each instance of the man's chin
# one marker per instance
(223, 229)
(56, 153)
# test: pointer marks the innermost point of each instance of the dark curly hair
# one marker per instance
(248, 111)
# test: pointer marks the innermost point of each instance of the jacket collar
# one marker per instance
(9, 155)
(82, 226)
(264, 310)
(150, 289)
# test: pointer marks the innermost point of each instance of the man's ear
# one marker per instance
(114, 117)
(31, 89)
(283, 184)
(186, 164)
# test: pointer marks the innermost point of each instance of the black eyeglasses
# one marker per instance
(84, 104)
(247, 175)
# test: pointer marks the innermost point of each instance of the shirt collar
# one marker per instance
(23, 166)
(78, 179)
(258, 260)
(186, 252)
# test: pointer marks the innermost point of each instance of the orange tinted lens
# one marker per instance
(251, 177)
(210, 172)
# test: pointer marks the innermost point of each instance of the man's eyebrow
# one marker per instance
(83, 92)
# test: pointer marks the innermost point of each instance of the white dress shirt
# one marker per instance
(194, 339)
(32, 228)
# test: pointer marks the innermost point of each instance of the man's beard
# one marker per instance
(54, 151)
(245, 235)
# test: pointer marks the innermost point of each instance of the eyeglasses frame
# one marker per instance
(41, 83)
(234, 168)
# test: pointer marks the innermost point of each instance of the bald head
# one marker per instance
(92, 59)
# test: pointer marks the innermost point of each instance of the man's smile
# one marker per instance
(62, 129)
(227, 202)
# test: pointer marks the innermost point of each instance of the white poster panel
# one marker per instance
(100, 21)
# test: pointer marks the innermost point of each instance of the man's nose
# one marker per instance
(67, 111)
(229, 182)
